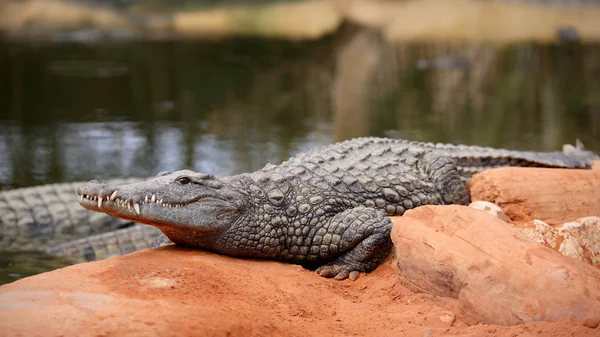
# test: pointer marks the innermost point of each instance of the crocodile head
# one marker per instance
(185, 205)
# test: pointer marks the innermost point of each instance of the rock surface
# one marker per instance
(175, 291)
(491, 209)
(578, 239)
(554, 196)
(498, 274)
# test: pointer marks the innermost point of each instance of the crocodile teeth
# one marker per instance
(160, 201)
(146, 199)
(128, 205)
(100, 202)
(153, 198)
(137, 208)
(113, 196)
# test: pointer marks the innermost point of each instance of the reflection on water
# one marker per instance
(156, 107)
(73, 111)
(14, 266)
(79, 151)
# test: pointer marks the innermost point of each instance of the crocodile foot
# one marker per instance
(365, 242)
(338, 272)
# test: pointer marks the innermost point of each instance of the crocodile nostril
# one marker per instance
(96, 181)
(163, 173)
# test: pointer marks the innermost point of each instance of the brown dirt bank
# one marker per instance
(178, 291)
(400, 21)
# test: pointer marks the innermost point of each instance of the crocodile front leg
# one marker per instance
(363, 235)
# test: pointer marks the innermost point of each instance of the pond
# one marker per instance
(76, 111)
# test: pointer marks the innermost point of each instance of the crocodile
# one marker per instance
(107, 244)
(326, 209)
(49, 217)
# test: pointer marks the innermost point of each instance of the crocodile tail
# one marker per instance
(570, 148)
(580, 151)
(475, 159)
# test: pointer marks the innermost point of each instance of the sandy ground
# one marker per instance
(178, 291)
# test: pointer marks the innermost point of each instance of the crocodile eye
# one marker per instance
(183, 180)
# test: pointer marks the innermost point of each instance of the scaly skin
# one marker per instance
(33, 218)
(325, 208)
(113, 243)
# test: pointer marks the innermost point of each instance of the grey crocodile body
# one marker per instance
(49, 218)
(109, 244)
(325, 208)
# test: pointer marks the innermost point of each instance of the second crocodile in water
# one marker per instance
(327, 208)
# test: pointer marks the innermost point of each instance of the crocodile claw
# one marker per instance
(337, 272)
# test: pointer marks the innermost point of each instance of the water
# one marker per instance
(14, 266)
(77, 111)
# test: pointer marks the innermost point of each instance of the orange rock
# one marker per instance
(591, 323)
(174, 291)
(498, 274)
(490, 208)
(554, 196)
(577, 239)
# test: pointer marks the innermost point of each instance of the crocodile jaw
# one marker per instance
(142, 211)
(203, 204)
